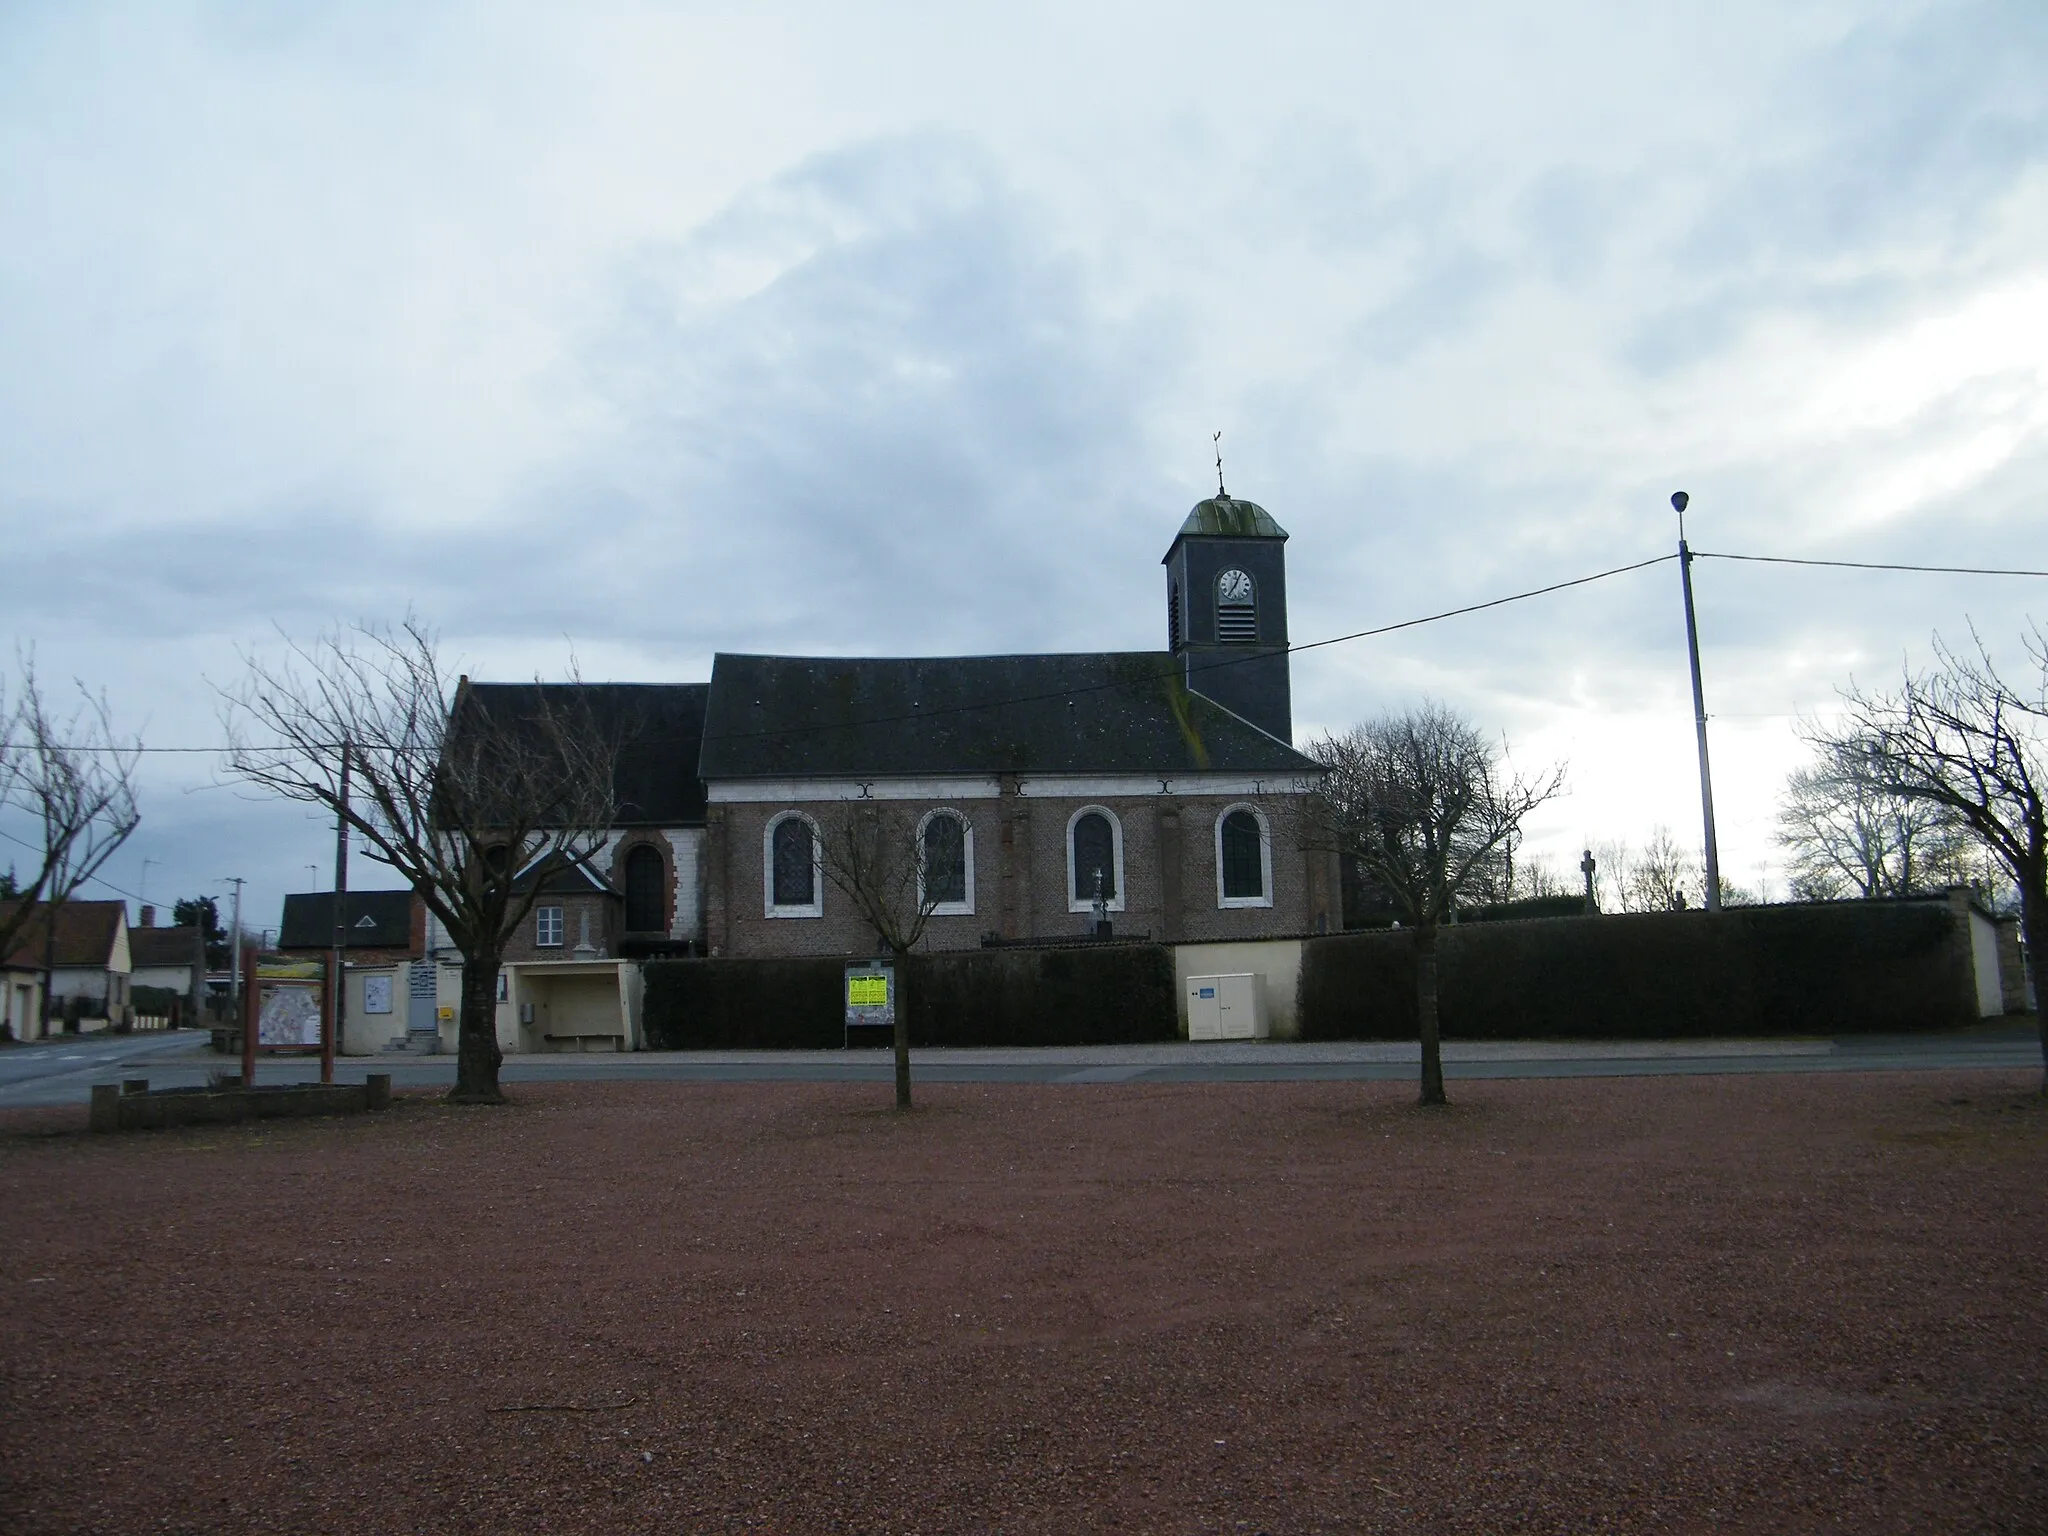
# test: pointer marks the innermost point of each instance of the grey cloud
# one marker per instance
(1874, 188)
(919, 435)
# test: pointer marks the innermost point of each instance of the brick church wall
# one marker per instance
(1021, 881)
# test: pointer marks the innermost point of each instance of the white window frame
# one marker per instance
(948, 908)
(541, 919)
(815, 907)
(1265, 858)
(1116, 845)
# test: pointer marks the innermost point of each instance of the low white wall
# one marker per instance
(21, 1003)
(1278, 960)
(364, 1033)
(1984, 961)
(570, 997)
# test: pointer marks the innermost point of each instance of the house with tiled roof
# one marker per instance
(86, 955)
(169, 960)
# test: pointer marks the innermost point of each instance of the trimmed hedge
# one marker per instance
(1111, 995)
(708, 1005)
(1824, 969)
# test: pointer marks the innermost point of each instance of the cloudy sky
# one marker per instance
(654, 330)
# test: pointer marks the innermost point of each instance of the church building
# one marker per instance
(1047, 794)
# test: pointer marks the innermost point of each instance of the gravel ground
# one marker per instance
(1677, 1304)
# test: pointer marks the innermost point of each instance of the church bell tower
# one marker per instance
(1226, 618)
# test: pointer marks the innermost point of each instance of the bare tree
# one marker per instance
(1846, 834)
(70, 778)
(1960, 739)
(1425, 804)
(474, 796)
(1655, 880)
(1536, 877)
(875, 853)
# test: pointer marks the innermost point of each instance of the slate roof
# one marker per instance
(376, 920)
(166, 946)
(85, 934)
(575, 878)
(1093, 712)
(1231, 517)
(660, 726)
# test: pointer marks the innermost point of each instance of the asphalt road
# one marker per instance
(63, 1071)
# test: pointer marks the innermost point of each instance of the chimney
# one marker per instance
(148, 915)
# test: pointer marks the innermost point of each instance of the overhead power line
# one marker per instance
(1066, 693)
(1231, 661)
(89, 879)
(1452, 613)
(1870, 565)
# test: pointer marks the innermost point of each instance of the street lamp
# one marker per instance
(1679, 502)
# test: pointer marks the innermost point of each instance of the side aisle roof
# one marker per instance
(659, 726)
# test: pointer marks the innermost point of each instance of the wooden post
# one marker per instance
(337, 989)
(252, 1008)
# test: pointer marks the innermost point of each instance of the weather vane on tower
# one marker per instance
(1217, 438)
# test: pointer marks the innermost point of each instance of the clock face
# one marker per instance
(1233, 587)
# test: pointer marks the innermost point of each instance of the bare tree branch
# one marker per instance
(73, 778)
(1845, 833)
(1965, 743)
(874, 853)
(474, 796)
(1422, 803)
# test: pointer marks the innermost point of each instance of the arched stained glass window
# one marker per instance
(796, 871)
(1094, 852)
(646, 874)
(1244, 864)
(945, 860)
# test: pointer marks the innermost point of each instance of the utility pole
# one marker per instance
(1679, 501)
(235, 949)
(338, 989)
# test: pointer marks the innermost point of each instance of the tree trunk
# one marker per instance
(2034, 920)
(901, 960)
(1425, 1013)
(477, 1056)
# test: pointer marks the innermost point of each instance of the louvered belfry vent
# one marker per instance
(1237, 623)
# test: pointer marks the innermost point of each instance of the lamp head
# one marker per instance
(1679, 501)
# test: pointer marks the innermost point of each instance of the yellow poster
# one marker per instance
(867, 991)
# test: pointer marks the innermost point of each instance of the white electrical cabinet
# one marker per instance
(1227, 1008)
